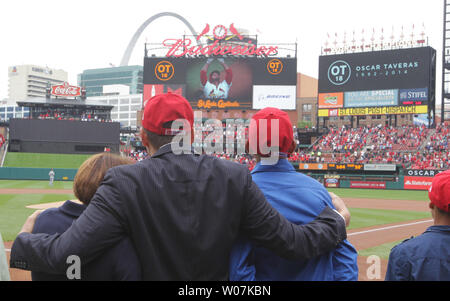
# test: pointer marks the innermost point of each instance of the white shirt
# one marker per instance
(212, 91)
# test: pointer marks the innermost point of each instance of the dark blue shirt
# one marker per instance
(424, 258)
(118, 263)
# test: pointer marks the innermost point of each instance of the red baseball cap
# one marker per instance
(285, 135)
(161, 110)
(439, 192)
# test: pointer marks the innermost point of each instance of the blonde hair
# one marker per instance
(91, 174)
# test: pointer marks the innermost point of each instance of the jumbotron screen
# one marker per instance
(398, 81)
(224, 83)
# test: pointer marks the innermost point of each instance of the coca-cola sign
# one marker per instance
(66, 90)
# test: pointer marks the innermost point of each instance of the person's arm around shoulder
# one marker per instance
(345, 256)
(341, 207)
(266, 227)
(99, 227)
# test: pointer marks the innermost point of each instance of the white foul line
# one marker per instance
(390, 227)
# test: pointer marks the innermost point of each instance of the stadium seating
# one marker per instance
(415, 147)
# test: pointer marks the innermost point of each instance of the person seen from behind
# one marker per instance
(300, 199)
(119, 262)
(426, 257)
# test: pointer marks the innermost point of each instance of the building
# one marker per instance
(10, 109)
(30, 81)
(94, 79)
(125, 105)
(306, 101)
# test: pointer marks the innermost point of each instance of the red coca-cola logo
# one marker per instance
(66, 90)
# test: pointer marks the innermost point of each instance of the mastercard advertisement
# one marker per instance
(331, 100)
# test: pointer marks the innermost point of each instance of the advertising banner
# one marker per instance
(417, 183)
(280, 97)
(65, 90)
(274, 71)
(374, 111)
(332, 181)
(422, 119)
(368, 185)
(379, 98)
(422, 172)
(312, 166)
(380, 167)
(376, 70)
(413, 96)
(331, 100)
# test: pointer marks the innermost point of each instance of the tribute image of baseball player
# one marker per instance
(51, 174)
(213, 88)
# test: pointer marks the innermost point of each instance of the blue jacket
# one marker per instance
(424, 258)
(300, 199)
(118, 263)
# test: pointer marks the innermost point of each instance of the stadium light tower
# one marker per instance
(446, 63)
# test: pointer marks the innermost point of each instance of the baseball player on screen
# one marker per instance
(214, 88)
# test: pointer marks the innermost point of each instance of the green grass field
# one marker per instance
(362, 218)
(12, 184)
(382, 251)
(34, 160)
(409, 195)
(13, 211)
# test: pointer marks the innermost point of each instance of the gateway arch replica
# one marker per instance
(134, 39)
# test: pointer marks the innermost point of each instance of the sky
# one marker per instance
(79, 35)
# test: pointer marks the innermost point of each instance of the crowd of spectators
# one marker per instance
(136, 155)
(2, 140)
(415, 147)
(81, 116)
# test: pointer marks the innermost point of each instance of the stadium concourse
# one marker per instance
(412, 147)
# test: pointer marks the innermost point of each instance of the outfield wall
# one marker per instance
(403, 180)
(368, 176)
(22, 173)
